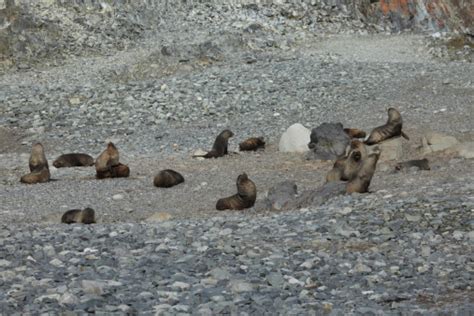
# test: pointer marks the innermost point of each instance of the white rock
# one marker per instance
(159, 217)
(117, 197)
(295, 139)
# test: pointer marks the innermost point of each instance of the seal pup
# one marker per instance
(219, 148)
(117, 171)
(107, 165)
(85, 216)
(167, 178)
(38, 165)
(245, 197)
(347, 166)
(392, 128)
(252, 143)
(73, 160)
(354, 132)
(421, 164)
(361, 181)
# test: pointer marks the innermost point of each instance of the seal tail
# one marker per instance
(405, 136)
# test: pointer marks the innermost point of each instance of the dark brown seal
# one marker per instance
(245, 197)
(219, 148)
(252, 143)
(107, 165)
(421, 164)
(117, 171)
(346, 167)
(73, 160)
(393, 128)
(38, 165)
(361, 181)
(354, 132)
(167, 178)
(85, 216)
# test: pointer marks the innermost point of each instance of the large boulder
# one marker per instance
(328, 141)
(295, 139)
(433, 141)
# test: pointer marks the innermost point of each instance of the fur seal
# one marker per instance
(86, 216)
(361, 181)
(108, 158)
(421, 164)
(219, 148)
(392, 128)
(117, 171)
(346, 167)
(252, 143)
(167, 178)
(38, 165)
(73, 160)
(245, 197)
(107, 165)
(354, 132)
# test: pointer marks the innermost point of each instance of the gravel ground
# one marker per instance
(404, 248)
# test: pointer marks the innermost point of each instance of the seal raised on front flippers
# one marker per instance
(245, 197)
(73, 160)
(252, 143)
(85, 216)
(38, 165)
(107, 165)
(421, 164)
(361, 180)
(347, 166)
(219, 148)
(393, 128)
(167, 178)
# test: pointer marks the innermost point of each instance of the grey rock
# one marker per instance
(328, 141)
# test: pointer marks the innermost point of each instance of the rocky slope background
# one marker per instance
(161, 80)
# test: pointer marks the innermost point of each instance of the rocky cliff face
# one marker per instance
(56, 29)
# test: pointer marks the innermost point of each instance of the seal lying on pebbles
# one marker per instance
(86, 216)
(392, 128)
(219, 148)
(245, 197)
(361, 181)
(107, 165)
(252, 143)
(73, 160)
(167, 178)
(421, 164)
(354, 132)
(38, 166)
(346, 167)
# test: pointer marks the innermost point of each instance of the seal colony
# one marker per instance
(356, 166)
